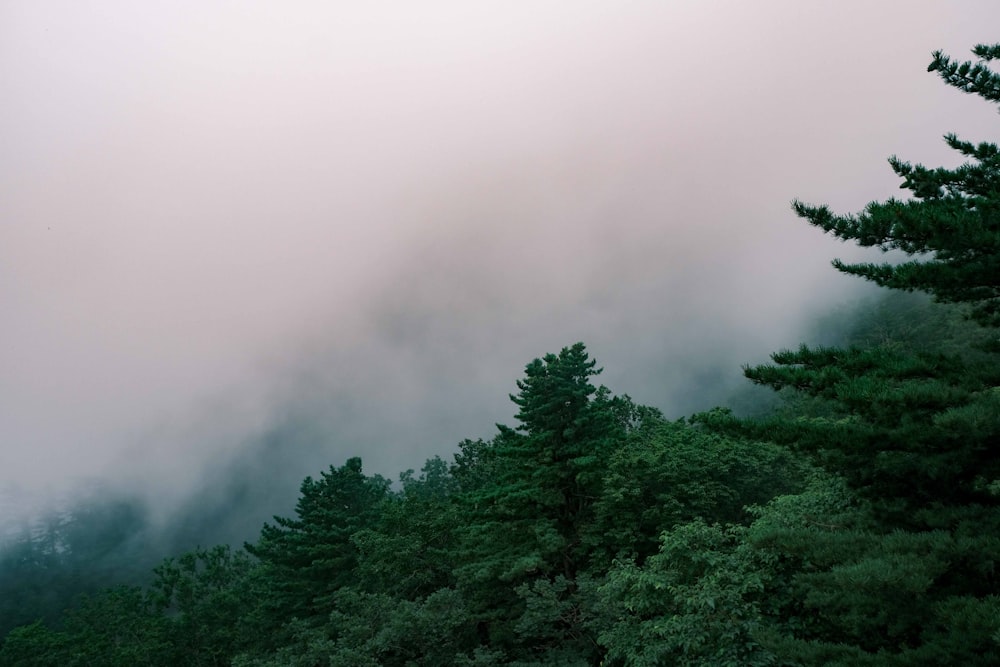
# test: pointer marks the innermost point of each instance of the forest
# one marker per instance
(849, 516)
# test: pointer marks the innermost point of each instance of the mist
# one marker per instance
(322, 231)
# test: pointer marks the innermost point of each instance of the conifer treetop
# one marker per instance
(950, 223)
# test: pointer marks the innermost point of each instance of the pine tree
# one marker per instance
(911, 578)
(524, 539)
(548, 470)
(306, 560)
(913, 428)
(953, 214)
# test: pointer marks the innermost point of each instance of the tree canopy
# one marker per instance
(951, 220)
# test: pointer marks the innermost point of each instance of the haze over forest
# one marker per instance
(333, 232)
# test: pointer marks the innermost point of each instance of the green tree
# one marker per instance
(35, 645)
(914, 428)
(373, 629)
(307, 559)
(951, 221)
(905, 576)
(911, 430)
(410, 551)
(695, 602)
(840, 590)
(117, 627)
(205, 593)
(527, 523)
(670, 473)
(551, 467)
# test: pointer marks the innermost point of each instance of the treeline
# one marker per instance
(857, 523)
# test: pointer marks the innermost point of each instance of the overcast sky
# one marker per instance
(220, 217)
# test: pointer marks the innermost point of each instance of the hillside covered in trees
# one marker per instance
(855, 522)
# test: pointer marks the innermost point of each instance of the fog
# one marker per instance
(336, 229)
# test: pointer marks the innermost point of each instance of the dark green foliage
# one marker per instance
(671, 473)
(548, 472)
(969, 77)
(378, 630)
(953, 215)
(915, 429)
(431, 630)
(557, 623)
(474, 563)
(693, 603)
(34, 645)
(206, 594)
(526, 526)
(410, 551)
(119, 627)
(897, 567)
(191, 616)
(910, 428)
(840, 590)
(308, 558)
